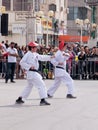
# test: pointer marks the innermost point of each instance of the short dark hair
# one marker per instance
(12, 43)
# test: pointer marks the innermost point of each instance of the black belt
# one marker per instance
(33, 70)
(59, 67)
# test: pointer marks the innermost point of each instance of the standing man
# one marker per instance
(60, 72)
(30, 63)
(11, 63)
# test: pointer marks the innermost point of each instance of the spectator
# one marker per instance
(11, 64)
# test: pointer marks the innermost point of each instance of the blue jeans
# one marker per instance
(10, 71)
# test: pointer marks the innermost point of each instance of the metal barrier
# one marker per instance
(19, 73)
(87, 69)
(3, 67)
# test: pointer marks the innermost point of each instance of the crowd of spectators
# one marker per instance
(82, 64)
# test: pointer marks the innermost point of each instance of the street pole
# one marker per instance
(47, 34)
(81, 35)
(49, 18)
(66, 12)
(0, 22)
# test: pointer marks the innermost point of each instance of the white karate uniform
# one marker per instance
(33, 78)
(60, 74)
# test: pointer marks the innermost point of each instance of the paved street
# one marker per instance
(62, 114)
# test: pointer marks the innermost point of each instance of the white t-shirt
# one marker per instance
(12, 59)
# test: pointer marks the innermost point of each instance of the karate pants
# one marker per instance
(66, 79)
(36, 81)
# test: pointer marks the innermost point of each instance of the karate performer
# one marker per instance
(60, 72)
(30, 63)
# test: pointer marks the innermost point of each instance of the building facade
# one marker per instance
(84, 9)
(62, 22)
(19, 13)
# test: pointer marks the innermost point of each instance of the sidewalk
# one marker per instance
(62, 114)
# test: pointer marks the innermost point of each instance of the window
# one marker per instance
(52, 7)
(77, 12)
(37, 5)
(82, 13)
(7, 4)
(71, 13)
(22, 5)
(26, 5)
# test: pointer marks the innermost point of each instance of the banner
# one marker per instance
(70, 38)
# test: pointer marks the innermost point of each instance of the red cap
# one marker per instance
(61, 45)
(32, 44)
